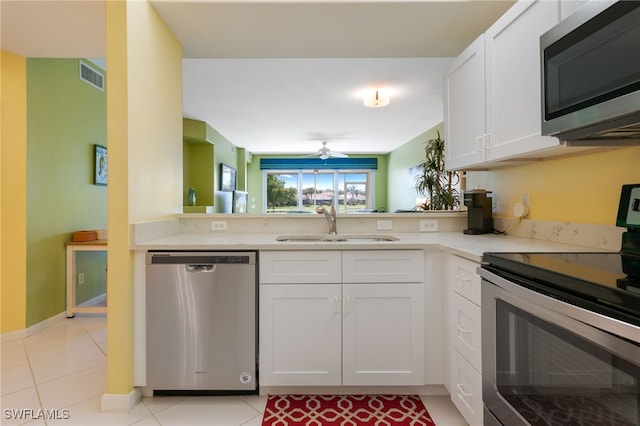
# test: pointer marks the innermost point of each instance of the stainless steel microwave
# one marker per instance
(591, 75)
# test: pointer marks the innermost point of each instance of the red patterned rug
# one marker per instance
(345, 410)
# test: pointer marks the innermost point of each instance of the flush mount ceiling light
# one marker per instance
(376, 98)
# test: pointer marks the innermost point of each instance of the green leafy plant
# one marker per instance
(434, 182)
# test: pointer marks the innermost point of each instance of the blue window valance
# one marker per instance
(318, 163)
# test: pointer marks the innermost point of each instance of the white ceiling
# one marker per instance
(281, 76)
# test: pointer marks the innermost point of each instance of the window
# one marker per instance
(302, 191)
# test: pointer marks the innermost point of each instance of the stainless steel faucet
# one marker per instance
(331, 218)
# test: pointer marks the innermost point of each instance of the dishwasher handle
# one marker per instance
(200, 268)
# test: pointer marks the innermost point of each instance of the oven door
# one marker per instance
(543, 364)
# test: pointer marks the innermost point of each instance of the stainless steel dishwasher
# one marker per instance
(201, 322)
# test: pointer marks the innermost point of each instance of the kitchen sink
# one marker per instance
(335, 238)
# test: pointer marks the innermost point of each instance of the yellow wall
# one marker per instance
(155, 116)
(583, 188)
(13, 192)
(144, 130)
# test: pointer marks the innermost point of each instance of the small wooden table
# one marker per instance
(72, 248)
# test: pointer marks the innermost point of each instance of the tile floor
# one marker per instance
(63, 367)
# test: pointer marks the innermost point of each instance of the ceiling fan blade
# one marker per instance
(325, 153)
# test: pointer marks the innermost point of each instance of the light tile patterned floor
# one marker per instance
(63, 367)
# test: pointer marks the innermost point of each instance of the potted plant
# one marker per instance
(434, 182)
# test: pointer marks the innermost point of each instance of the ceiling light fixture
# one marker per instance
(376, 99)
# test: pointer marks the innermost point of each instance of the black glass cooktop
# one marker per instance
(611, 280)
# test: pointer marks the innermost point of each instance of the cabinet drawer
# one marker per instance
(466, 389)
(296, 267)
(466, 281)
(466, 329)
(383, 266)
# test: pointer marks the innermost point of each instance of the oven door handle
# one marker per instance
(590, 318)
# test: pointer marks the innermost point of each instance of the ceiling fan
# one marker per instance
(325, 152)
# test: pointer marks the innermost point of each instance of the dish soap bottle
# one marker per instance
(191, 197)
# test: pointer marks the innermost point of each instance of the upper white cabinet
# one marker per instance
(464, 108)
(512, 49)
(492, 90)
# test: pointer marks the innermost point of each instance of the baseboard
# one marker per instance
(99, 300)
(426, 390)
(30, 331)
(120, 402)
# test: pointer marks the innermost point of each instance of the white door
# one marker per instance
(464, 108)
(512, 51)
(383, 334)
(300, 334)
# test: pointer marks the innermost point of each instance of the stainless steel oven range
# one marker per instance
(561, 334)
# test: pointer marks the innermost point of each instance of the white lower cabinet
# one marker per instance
(300, 334)
(465, 339)
(466, 392)
(383, 334)
(355, 332)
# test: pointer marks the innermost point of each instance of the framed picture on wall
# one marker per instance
(100, 174)
(227, 178)
(240, 201)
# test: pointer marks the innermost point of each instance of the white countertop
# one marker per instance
(468, 246)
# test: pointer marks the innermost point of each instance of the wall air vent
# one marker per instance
(91, 76)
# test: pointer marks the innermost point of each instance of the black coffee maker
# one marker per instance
(479, 206)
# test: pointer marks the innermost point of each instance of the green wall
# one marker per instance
(204, 150)
(254, 181)
(65, 118)
(402, 193)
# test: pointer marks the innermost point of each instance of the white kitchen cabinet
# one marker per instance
(300, 334)
(383, 266)
(464, 108)
(512, 49)
(300, 318)
(466, 393)
(383, 334)
(464, 337)
(295, 267)
(464, 278)
(466, 329)
(507, 98)
(366, 330)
